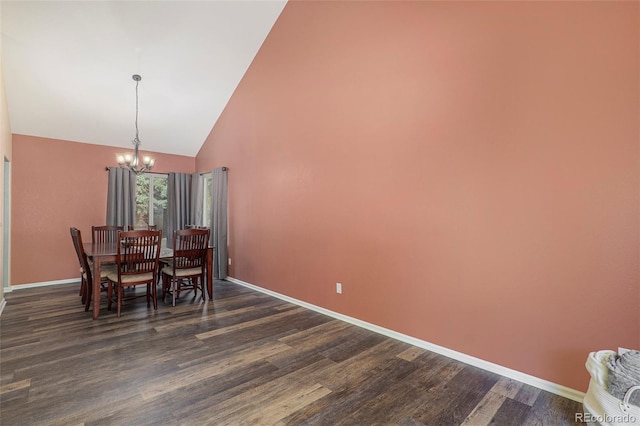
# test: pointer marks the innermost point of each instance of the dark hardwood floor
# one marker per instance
(244, 359)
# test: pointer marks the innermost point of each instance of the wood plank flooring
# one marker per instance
(244, 359)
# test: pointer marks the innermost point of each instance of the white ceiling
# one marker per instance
(68, 67)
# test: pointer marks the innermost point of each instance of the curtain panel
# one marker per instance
(121, 197)
(197, 199)
(219, 221)
(178, 204)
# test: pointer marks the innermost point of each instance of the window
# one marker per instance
(151, 201)
(206, 200)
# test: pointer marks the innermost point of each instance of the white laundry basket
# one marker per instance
(600, 407)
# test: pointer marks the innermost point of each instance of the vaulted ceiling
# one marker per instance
(68, 67)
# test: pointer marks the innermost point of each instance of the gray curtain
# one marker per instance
(197, 199)
(121, 197)
(219, 221)
(178, 204)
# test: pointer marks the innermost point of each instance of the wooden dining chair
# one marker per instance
(86, 269)
(136, 264)
(187, 267)
(105, 233)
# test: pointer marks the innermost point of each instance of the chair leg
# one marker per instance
(120, 297)
(201, 284)
(166, 282)
(160, 279)
(82, 291)
(196, 285)
(154, 296)
(174, 290)
(161, 282)
(87, 293)
(109, 295)
(83, 284)
(148, 295)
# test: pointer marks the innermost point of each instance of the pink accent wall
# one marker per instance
(468, 171)
(56, 185)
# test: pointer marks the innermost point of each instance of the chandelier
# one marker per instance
(136, 163)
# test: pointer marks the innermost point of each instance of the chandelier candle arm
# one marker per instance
(133, 162)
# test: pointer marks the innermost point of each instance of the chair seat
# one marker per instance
(182, 272)
(113, 276)
(105, 270)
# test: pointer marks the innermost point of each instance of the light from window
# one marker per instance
(206, 200)
(151, 201)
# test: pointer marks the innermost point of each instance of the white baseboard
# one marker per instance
(537, 382)
(41, 284)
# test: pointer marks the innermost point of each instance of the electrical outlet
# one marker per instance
(339, 288)
(229, 261)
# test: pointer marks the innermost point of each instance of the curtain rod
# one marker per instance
(224, 169)
(146, 173)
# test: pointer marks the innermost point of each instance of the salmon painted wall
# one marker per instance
(56, 185)
(467, 170)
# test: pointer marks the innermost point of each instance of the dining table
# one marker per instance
(107, 252)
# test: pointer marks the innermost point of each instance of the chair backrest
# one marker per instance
(76, 237)
(105, 234)
(190, 248)
(138, 252)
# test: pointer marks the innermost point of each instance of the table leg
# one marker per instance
(210, 272)
(96, 287)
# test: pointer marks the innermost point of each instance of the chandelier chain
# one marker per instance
(137, 82)
(137, 163)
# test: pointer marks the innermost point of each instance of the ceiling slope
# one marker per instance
(68, 67)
